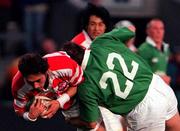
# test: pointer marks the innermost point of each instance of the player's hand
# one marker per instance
(132, 28)
(36, 109)
(166, 78)
(52, 109)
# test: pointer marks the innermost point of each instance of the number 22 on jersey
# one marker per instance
(109, 74)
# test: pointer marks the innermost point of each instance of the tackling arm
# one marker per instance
(54, 105)
(92, 126)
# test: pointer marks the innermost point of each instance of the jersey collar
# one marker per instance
(85, 59)
(150, 41)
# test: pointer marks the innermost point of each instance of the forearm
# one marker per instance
(72, 91)
(66, 96)
(25, 114)
(92, 126)
(123, 34)
(76, 122)
(19, 107)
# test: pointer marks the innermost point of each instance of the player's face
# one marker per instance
(156, 31)
(95, 26)
(36, 80)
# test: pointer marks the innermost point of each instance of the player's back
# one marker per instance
(117, 76)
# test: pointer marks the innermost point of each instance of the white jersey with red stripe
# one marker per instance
(63, 72)
(83, 40)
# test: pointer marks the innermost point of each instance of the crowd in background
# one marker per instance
(24, 27)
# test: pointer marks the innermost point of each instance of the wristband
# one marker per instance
(26, 117)
(63, 99)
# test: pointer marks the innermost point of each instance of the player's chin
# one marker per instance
(96, 35)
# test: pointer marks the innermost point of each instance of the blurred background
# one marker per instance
(45, 27)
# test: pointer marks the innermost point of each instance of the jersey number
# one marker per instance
(109, 74)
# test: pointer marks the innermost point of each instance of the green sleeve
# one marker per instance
(89, 110)
(120, 34)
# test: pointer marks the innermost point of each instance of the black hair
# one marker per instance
(74, 51)
(99, 11)
(32, 63)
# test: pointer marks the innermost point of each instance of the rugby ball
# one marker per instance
(45, 100)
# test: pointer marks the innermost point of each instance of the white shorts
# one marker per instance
(111, 121)
(159, 105)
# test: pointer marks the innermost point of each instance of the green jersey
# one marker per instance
(157, 59)
(115, 77)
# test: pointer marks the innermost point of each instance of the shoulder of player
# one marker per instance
(56, 54)
(19, 87)
(17, 81)
(79, 38)
(146, 47)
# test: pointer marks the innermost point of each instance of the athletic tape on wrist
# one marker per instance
(26, 117)
(63, 99)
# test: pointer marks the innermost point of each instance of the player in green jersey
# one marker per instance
(154, 50)
(120, 80)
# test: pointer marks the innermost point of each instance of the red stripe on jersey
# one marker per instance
(79, 38)
(82, 39)
(17, 83)
(60, 62)
(18, 110)
(79, 79)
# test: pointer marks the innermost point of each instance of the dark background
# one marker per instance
(10, 122)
